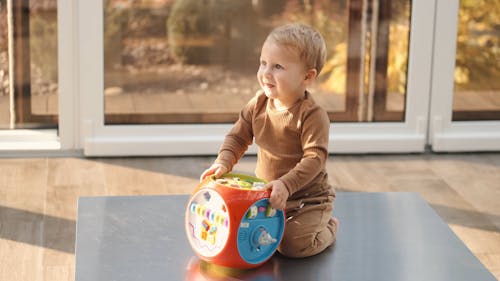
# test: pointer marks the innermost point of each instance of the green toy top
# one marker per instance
(240, 181)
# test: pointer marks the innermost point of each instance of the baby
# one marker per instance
(291, 132)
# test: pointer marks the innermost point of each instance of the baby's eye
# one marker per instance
(278, 66)
(263, 62)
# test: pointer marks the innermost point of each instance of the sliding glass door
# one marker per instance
(465, 105)
(28, 75)
(169, 77)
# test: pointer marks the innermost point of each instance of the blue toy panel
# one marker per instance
(260, 232)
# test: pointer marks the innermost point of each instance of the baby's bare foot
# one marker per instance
(333, 225)
(336, 221)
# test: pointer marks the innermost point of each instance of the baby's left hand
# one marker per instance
(279, 194)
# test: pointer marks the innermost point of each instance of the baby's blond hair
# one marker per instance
(306, 40)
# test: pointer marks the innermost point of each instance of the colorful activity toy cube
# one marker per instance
(230, 223)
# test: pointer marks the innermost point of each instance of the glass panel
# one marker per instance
(477, 68)
(194, 61)
(397, 65)
(32, 33)
(4, 68)
(43, 54)
(388, 37)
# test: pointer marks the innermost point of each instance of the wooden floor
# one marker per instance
(38, 198)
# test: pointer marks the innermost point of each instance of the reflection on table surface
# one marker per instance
(199, 270)
(277, 268)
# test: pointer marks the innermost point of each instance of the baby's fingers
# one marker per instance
(277, 201)
(219, 172)
(206, 174)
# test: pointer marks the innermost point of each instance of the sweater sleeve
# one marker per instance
(314, 140)
(239, 137)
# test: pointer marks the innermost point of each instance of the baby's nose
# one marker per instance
(267, 72)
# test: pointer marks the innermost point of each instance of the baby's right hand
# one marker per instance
(279, 194)
(216, 169)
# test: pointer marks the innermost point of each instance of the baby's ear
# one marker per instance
(311, 74)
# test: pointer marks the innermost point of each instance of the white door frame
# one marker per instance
(68, 43)
(63, 138)
(97, 139)
(445, 134)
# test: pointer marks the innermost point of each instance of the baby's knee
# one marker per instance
(296, 245)
(292, 247)
(301, 245)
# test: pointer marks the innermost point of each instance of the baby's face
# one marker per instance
(282, 74)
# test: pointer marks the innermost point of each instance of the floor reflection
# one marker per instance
(198, 270)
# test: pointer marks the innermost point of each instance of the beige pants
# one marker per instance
(309, 227)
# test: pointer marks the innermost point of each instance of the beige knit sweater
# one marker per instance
(292, 144)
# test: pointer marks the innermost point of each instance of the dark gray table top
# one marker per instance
(382, 236)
